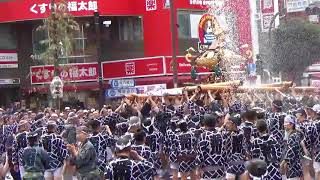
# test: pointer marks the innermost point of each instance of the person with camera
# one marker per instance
(84, 157)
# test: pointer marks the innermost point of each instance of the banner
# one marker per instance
(133, 68)
(267, 13)
(148, 88)
(113, 93)
(8, 59)
(183, 66)
(80, 72)
(35, 9)
(297, 5)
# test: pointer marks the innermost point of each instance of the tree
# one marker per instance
(61, 28)
(294, 46)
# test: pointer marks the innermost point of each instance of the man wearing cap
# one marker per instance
(312, 111)
(236, 151)
(128, 164)
(19, 143)
(35, 159)
(103, 142)
(291, 163)
(84, 157)
(212, 150)
(56, 149)
(266, 148)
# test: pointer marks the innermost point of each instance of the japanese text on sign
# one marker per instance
(75, 72)
(205, 2)
(73, 6)
(151, 5)
(121, 83)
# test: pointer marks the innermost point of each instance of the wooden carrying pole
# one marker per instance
(237, 86)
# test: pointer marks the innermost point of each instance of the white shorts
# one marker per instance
(22, 172)
(316, 166)
(229, 175)
(53, 172)
(174, 166)
(213, 179)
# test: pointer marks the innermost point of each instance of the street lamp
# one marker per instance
(56, 88)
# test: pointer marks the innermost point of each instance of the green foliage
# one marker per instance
(294, 46)
(60, 27)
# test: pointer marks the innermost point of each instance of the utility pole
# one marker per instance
(56, 44)
(98, 44)
(54, 38)
(173, 44)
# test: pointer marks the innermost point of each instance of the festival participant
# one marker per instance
(314, 115)
(60, 124)
(103, 142)
(257, 168)
(128, 164)
(312, 110)
(155, 141)
(266, 148)
(307, 130)
(212, 148)
(69, 133)
(275, 121)
(20, 142)
(171, 145)
(236, 151)
(84, 157)
(291, 163)
(186, 151)
(140, 146)
(249, 130)
(35, 159)
(56, 148)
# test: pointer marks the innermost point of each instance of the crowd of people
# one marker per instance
(199, 135)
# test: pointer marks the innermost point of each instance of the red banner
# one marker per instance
(183, 66)
(34, 9)
(144, 67)
(69, 72)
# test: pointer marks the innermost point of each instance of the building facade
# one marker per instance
(130, 29)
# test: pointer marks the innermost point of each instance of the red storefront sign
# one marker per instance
(133, 68)
(183, 66)
(70, 72)
(34, 9)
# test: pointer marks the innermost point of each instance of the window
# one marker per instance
(7, 37)
(188, 24)
(78, 46)
(130, 28)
